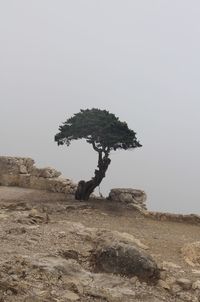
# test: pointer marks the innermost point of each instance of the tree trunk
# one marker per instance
(85, 188)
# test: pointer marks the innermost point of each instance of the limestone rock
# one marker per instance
(186, 284)
(71, 296)
(187, 297)
(175, 288)
(196, 272)
(126, 198)
(129, 196)
(22, 169)
(11, 165)
(103, 236)
(171, 280)
(196, 284)
(126, 260)
(171, 265)
(163, 284)
(46, 172)
(21, 172)
(191, 253)
(128, 238)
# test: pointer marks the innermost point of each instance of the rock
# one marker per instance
(191, 253)
(34, 212)
(186, 284)
(167, 265)
(196, 285)
(126, 198)
(3, 215)
(196, 272)
(125, 238)
(71, 296)
(170, 280)
(11, 165)
(23, 170)
(138, 208)
(163, 275)
(175, 288)
(187, 297)
(46, 172)
(70, 254)
(163, 284)
(17, 231)
(117, 295)
(129, 196)
(126, 260)
(104, 236)
(24, 180)
(35, 217)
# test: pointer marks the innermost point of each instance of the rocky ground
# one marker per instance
(54, 248)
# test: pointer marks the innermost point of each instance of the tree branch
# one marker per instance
(95, 147)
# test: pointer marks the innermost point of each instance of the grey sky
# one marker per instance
(138, 59)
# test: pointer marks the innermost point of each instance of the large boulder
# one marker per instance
(129, 196)
(125, 259)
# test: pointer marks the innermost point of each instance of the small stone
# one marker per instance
(167, 264)
(170, 280)
(71, 296)
(23, 170)
(61, 234)
(134, 279)
(196, 272)
(9, 292)
(163, 275)
(33, 213)
(196, 285)
(175, 288)
(186, 284)
(163, 284)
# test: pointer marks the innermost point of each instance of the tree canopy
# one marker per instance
(100, 128)
(105, 132)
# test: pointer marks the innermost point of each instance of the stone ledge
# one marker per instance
(21, 172)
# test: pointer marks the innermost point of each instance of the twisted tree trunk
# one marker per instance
(85, 188)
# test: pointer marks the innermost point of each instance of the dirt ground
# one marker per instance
(38, 229)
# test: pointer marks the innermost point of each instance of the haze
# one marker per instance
(138, 59)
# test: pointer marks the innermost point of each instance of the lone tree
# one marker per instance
(105, 132)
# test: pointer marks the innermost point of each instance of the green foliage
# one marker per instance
(100, 128)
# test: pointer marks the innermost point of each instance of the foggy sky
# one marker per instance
(139, 59)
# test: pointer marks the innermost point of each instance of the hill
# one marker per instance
(49, 247)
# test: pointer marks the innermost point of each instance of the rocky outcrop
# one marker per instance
(126, 260)
(21, 172)
(118, 253)
(136, 198)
